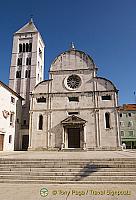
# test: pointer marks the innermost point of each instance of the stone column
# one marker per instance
(48, 130)
(30, 129)
(84, 133)
(63, 139)
(97, 128)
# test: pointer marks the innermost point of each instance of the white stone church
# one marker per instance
(74, 109)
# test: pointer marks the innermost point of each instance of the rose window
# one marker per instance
(73, 81)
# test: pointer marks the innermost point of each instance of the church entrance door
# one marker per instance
(25, 142)
(73, 137)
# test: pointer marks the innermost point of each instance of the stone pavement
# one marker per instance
(67, 192)
(67, 155)
(70, 191)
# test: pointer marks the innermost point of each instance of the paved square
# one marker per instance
(101, 191)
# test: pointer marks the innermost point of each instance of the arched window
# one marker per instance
(27, 61)
(20, 48)
(18, 74)
(40, 122)
(107, 120)
(30, 47)
(26, 72)
(24, 47)
(19, 61)
(27, 47)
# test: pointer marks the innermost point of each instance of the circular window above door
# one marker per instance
(72, 82)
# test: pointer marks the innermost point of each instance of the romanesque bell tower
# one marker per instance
(27, 66)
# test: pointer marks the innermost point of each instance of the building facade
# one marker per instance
(128, 125)
(26, 70)
(10, 118)
(74, 109)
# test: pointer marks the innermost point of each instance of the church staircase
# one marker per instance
(68, 171)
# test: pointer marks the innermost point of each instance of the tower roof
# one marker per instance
(28, 28)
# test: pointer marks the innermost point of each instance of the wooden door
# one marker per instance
(1, 142)
(25, 142)
(73, 137)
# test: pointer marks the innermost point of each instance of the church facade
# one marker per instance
(74, 109)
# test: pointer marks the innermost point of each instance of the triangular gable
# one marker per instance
(73, 120)
(10, 90)
(29, 27)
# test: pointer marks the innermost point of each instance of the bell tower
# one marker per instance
(27, 65)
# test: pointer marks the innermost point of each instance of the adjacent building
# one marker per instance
(128, 125)
(10, 118)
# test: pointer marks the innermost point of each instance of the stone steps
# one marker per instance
(48, 170)
(10, 160)
(67, 161)
(64, 182)
(58, 165)
(68, 178)
(68, 171)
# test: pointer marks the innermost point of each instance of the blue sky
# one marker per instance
(105, 29)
